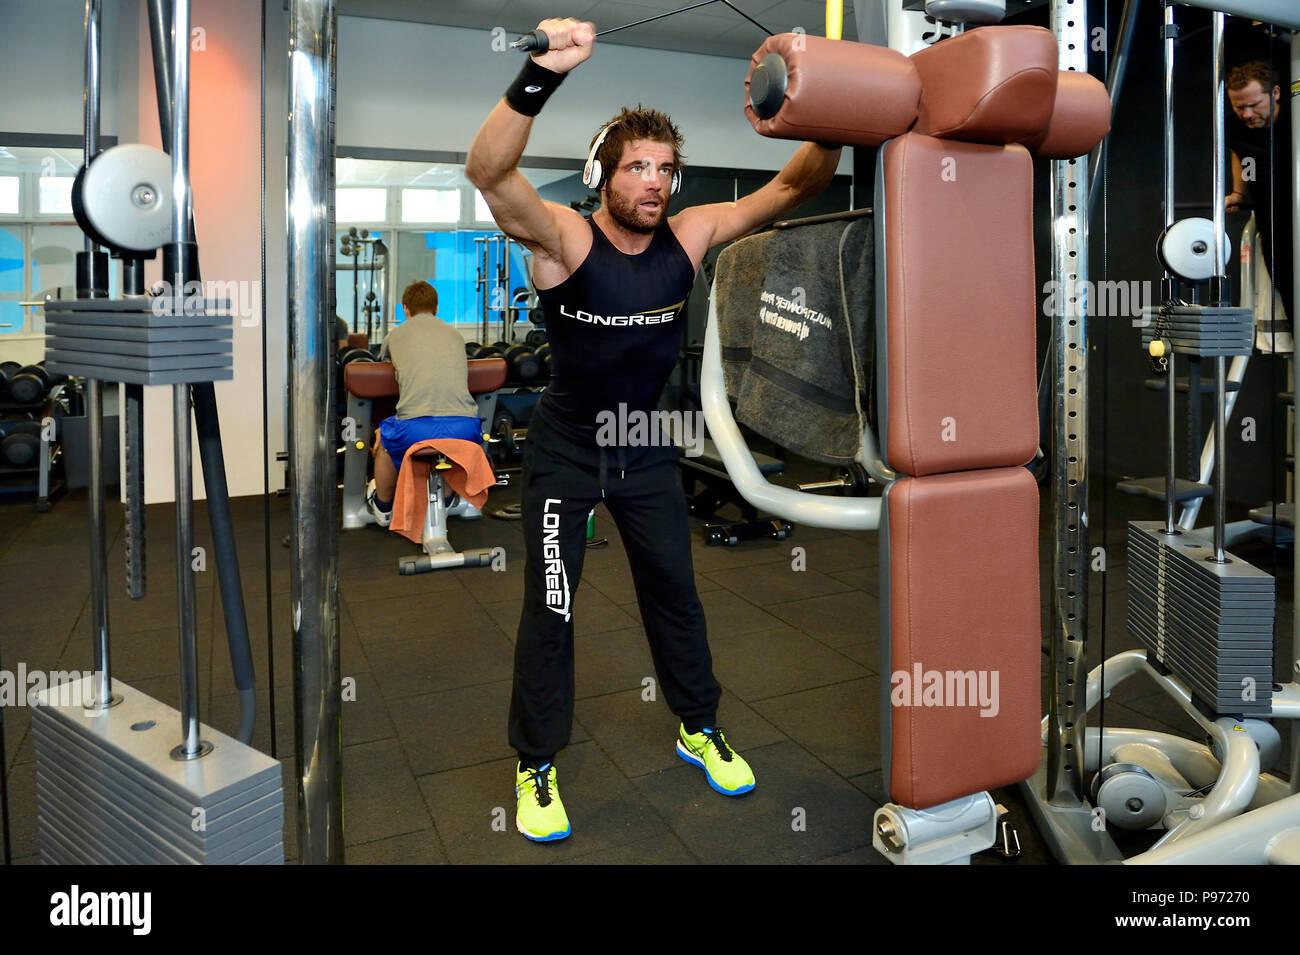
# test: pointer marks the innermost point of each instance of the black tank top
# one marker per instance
(615, 327)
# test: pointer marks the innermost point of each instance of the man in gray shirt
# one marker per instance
(428, 357)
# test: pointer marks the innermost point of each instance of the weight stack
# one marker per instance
(108, 791)
(1210, 623)
(1210, 331)
(139, 341)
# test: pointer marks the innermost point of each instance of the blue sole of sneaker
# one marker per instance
(694, 760)
(553, 837)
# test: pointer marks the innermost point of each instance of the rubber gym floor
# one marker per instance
(426, 764)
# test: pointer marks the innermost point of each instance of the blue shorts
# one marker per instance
(398, 434)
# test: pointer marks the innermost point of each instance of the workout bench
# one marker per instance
(372, 393)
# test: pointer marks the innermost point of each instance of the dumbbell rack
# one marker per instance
(40, 477)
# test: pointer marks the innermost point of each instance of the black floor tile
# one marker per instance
(774, 662)
(412, 848)
(380, 794)
(441, 662)
(766, 584)
(799, 811)
(727, 614)
(837, 620)
(839, 724)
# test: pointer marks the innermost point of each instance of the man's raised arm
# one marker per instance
(493, 161)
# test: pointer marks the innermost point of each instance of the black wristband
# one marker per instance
(532, 88)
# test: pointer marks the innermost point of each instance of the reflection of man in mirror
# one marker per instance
(1262, 166)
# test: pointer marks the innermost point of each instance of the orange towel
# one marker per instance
(470, 479)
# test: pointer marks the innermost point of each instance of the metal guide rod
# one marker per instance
(1069, 211)
(1171, 398)
(1216, 291)
(1294, 172)
(311, 430)
(94, 402)
(183, 459)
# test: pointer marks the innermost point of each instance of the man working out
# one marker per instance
(1262, 174)
(428, 357)
(613, 287)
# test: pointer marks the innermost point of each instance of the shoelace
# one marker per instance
(720, 744)
(541, 780)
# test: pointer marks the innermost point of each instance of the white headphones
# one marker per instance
(593, 174)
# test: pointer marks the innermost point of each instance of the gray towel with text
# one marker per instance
(793, 335)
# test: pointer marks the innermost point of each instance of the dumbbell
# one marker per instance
(30, 385)
(7, 370)
(489, 351)
(22, 443)
(523, 363)
(509, 438)
(543, 354)
(471, 348)
(536, 337)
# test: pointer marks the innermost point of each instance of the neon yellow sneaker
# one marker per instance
(726, 771)
(539, 814)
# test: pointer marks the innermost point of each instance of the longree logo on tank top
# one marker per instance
(557, 578)
(654, 316)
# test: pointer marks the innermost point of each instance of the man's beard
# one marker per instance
(629, 214)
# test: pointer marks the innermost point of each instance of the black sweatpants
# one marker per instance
(561, 484)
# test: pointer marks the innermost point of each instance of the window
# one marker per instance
(10, 195)
(361, 205)
(54, 196)
(431, 205)
(481, 211)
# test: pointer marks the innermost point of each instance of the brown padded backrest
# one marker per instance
(838, 91)
(964, 598)
(992, 85)
(377, 380)
(358, 340)
(962, 386)
(1080, 118)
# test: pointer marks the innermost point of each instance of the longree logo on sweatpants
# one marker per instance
(77, 908)
(557, 578)
(956, 688)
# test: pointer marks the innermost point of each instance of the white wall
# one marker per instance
(416, 86)
(225, 178)
(42, 62)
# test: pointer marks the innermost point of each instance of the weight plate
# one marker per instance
(126, 195)
(1186, 249)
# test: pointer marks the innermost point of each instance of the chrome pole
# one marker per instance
(1171, 397)
(190, 747)
(93, 43)
(1069, 211)
(1294, 173)
(311, 429)
(103, 691)
(1216, 292)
